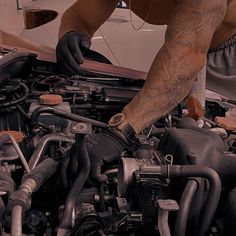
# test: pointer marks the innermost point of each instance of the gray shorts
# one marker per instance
(221, 69)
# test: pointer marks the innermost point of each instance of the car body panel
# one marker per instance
(116, 39)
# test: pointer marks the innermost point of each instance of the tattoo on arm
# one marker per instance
(188, 37)
(193, 22)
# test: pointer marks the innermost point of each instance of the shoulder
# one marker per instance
(210, 8)
(208, 3)
(212, 1)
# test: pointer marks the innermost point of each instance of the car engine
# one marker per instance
(177, 179)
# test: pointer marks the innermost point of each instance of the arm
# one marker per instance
(86, 16)
(78, 24)
(188, 37)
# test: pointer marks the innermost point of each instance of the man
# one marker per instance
(193, 28)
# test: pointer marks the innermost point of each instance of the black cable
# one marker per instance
(22, 111)
(169, 171)
(184, 207)
(214, 192)
(17, 101)
(74, 196)
(60, 113)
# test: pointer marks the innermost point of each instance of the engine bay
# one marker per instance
(177, 179)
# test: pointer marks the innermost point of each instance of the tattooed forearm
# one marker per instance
(167, 84)
(197, 23)
(170, 78)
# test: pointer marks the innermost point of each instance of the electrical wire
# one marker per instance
(144, 21)
(110, 49)
(15, 102)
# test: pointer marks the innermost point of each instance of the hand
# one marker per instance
(70, 50)
(103, 149)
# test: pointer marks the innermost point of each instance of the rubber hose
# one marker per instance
(63, 173)
(184, 207)
(74, 195)
(2, 210)
(42, 172)
(16, 228)
(15, 102)
(42, 145)
(211, 175)
(60, 113)
(31, 182)
(214, 192)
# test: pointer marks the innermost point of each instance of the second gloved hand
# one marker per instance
(69, 52)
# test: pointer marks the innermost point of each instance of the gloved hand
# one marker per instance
(103, 149)
(69, 51)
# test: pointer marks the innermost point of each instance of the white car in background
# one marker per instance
(116, 39)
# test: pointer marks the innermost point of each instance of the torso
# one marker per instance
(161, 11)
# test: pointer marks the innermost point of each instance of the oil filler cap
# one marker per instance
(50, 99)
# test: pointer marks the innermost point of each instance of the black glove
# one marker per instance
(103, 149)
(70, 50)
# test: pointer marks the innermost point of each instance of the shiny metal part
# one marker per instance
(16, 224)
(126, 169)
(165, 206)
(42, 145)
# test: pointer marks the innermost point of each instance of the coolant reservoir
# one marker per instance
(8, 151)
(55, 101)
